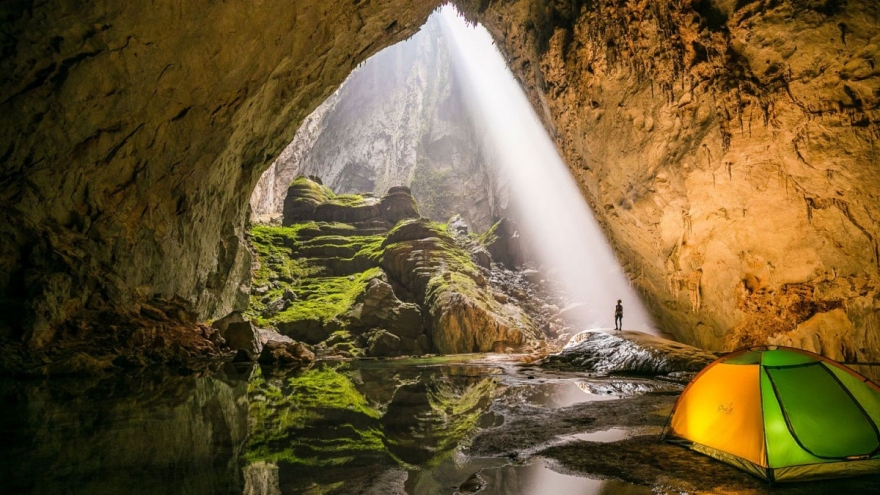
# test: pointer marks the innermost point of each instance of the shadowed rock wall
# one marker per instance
(132, 134)
(729, 150)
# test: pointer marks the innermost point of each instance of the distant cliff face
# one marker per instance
(399, 119)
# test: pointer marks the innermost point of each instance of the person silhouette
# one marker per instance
(618, 316)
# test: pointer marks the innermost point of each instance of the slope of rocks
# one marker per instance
(358, 275)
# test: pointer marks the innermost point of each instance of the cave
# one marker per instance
(726, 149)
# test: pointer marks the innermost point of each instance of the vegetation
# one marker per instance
(306, 189)
(318, 417)
(301, 260)
(324, 298)
(315, 418)
(311, 274)
(491, 235)
(350, 200)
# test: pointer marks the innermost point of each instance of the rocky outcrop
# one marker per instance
(307, 199)
(276, 353)
(628, 352)
(729, 156)
(381, 308)
(465, 316)
(243, 336)
(362, 289)
(399, 119)
(302, 198)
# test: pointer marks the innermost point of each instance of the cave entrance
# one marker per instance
(442, 115)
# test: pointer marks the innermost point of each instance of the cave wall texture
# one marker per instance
(133, 134)
(727, 147)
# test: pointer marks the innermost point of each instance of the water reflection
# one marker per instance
(358, 427)
(142, 433)
(538, 478)
(360, 423)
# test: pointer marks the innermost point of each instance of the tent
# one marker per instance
(781, 414)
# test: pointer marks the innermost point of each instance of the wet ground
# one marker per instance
(475, 424)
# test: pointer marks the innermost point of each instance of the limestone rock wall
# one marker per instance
(132, 134)
(730, 151)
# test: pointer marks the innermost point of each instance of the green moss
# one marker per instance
(491, 235)
(271, 246)
(309, 190)
(350, 200)
(323, 298)
(302, 258)
(456, 283)
(316, 418)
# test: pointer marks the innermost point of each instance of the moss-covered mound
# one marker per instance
(304, 196)
(342, 415)
(359, 276)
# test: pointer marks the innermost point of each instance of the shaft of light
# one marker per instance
(550, 208)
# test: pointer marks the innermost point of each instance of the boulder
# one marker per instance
(628, 352)
(285, 354)
(398, 204)
(303, 197)
(381, 308)
(457, 226)
(308, 330)
(275, 306)
(243, 336)
(223, 323)
(382, 343)
(481, 256)
(269, 334)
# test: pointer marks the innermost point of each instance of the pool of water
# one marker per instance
(395, 426)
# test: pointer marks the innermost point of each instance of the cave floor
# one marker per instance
(487, 424)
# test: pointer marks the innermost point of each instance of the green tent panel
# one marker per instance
(781, 414)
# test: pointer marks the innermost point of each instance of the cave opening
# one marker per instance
(442, 115)
(392, 328)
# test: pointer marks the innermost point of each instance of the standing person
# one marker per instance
(618, 316)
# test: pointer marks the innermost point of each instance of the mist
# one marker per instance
(562, 231)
